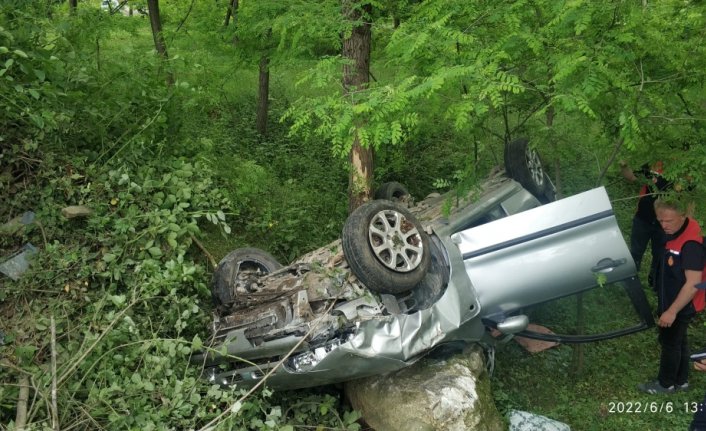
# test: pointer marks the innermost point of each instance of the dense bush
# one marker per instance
(87, 118)
(126, 290)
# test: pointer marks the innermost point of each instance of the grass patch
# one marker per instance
(596, 396)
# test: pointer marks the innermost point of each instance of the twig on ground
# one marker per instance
(203, 249)
(21, 417)
(54, 410)
(41, 229)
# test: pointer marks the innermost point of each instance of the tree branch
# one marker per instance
(203, 249)
(618, 144)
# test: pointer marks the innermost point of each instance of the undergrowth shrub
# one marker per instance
(126, 290)
(290, 195)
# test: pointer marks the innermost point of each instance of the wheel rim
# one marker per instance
(395, 241)
(534, 165)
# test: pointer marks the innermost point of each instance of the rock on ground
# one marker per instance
(75, 211)
(438, 393)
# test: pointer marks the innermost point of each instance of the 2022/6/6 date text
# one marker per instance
(637, 407)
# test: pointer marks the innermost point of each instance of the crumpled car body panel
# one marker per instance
(491, 256)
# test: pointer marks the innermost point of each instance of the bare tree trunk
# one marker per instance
(555, 152)
(231, 11)
(263, 95)
(98, 54)
(356, 77)
(54, 409)
(577, 360)
(159, 43)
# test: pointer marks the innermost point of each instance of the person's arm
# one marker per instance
(626, 172)
(692, 261)
(686, 294)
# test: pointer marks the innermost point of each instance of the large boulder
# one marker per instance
(446, 391)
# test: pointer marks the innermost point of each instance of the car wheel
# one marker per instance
(253, 260)
(386, 247)
(392, 191)
(524, 165)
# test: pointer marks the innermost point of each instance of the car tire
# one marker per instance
(386, 247)
(524, 165)
(392, 191)
(222, 285)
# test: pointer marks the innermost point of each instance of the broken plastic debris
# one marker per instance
(14, 225)
(27, 217)
(18, 263)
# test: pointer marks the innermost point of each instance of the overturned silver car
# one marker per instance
(407, 278)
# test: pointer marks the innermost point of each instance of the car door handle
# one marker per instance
(607, 264)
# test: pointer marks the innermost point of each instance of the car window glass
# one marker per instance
(493, 214)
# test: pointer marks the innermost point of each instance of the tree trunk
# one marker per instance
(263, 96)
(159, 43)
(98, 54)
(73, 4)
(356, 77)
(555, 152)
(231, 12)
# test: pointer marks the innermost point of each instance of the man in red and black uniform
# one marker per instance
(645, 228)
(678, 273)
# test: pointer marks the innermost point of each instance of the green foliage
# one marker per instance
(127, 286)
(127, 289)
(88, 120)
(287, 196)
(285, 30)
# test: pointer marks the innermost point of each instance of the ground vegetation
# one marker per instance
(172, 156)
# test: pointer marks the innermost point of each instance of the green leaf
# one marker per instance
(117, 300)
(155, 251)
(20, 53)
(236, 407)
(25, 353)
(196, 343)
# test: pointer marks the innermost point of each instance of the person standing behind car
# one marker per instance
(680, 270)
(645, 228)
